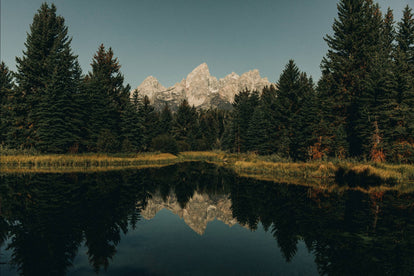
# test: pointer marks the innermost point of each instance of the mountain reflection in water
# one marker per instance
(77, 223)
(198, 212)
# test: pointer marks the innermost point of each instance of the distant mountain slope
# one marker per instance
(201, 89)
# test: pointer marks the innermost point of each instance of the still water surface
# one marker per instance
(197, 219)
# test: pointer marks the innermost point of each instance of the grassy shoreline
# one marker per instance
(84, 160)
(320, 174)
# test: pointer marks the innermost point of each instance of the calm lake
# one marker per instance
(197, 219)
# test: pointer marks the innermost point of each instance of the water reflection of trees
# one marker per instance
(350, 234)
(49, 216)
(45, 218)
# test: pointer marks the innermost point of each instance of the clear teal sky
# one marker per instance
(168, 38)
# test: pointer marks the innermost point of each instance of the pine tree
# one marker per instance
(132, 124)
(404, 90)
(150, 120)
(322, 143)
(6, 85)
(166, 119)
(131, 129)
(258, 136)
(237, 137)
(136, 101)
(347, 73)
(224, 122)
(330, 130)
(59, 122)
(15, 119)
(185, 127)
(405, 51)
(385, 101)
(47, 78)
(209, 130)
(307, 119)
(108, 95)
(366, 102)
(405, 35)
(82, 115)
(293, 113)
(287, 105)
(263, 124)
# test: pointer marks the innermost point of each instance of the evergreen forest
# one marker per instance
(362, 106)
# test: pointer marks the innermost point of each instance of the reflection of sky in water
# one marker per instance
(5, 256)
(165, 245)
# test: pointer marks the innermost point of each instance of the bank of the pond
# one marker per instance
(85, 160)
(338, 174)
(344, 172)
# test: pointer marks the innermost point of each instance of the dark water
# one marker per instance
(197, 219)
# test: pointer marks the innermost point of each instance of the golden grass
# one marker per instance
(27, 170)
(215, 156)
(407, 171)
(382, 173)
(305, 170)
(318, 174)
(84, 161)
(387, 172)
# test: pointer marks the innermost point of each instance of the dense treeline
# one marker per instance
(51, 107)
(367, 84)
(361, 107)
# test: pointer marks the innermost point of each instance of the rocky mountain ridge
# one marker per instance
(201, 89)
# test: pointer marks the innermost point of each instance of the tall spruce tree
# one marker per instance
(131, 124)
(405, 35)
(83, 103)
(347, 75)
(185, 127)
(237, 136)
(47, 78)
(59, 118)
(384, 105)
(150, 120)
(131, 128)
(318, 123)
(6, 117)
(307, 115)
(258, 136)
(209, 129)
(166, 119)
(364, 117)
(108, 96)
(403, 135)
(287, 106)
(293, 113)
(263, 124)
